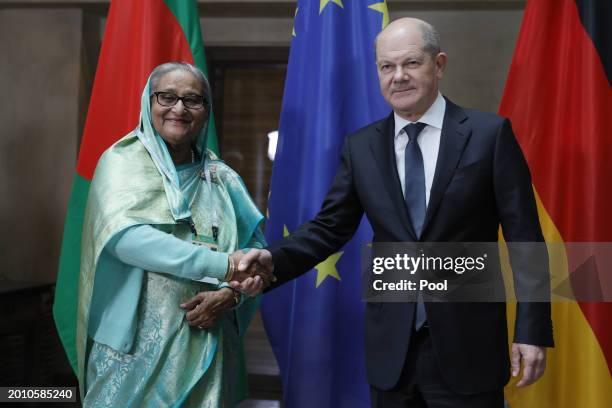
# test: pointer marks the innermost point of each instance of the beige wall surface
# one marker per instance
(47, 48)
(39, 86)
(479, 44)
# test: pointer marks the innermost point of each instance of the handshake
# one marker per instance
(250, 272)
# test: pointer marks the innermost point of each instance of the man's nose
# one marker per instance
(400, 74)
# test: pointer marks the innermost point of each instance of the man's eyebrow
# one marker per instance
(413, 54)
(405, 55)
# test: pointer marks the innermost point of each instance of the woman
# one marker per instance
(163, 216)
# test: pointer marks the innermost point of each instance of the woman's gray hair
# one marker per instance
(163, 69)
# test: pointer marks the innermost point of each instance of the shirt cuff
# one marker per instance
(216, 265)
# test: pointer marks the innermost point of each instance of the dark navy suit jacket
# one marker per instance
(481, 181)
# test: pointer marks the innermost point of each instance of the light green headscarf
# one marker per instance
(155, 145)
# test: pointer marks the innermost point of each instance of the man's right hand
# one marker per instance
(255, 263)
(253, 271)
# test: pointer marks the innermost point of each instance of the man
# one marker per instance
(430, 172)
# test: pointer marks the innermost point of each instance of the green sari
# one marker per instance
(165, 361)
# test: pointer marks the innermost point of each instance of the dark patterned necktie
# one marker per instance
(414, 194)
(414, 177)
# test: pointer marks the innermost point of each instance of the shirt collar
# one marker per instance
(434, 116)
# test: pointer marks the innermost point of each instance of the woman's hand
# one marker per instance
(205, 307)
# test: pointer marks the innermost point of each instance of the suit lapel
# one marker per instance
(455, 135)
(382, 146)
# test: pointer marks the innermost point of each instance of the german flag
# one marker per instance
(559, 98)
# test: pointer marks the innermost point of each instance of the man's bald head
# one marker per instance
(429, 35)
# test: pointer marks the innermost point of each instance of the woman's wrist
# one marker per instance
(231, 269)
(231, 296)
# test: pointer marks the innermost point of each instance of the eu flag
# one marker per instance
(315, 323)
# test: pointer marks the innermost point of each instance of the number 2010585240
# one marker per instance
(26, 394)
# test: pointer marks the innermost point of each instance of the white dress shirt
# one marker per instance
(428, 140)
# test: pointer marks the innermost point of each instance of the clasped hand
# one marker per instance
(254, 271)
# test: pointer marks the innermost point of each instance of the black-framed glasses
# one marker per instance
(169, 99)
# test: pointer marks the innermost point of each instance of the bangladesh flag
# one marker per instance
(139, 35)
(559, 98)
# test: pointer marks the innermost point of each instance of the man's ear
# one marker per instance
(440, 61)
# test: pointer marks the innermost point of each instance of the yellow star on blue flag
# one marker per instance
(324, 3)
(328, 268)
(382, 8)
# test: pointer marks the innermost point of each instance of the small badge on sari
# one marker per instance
(213, 174)
(204, 241)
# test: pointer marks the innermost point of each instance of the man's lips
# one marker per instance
(401, 91)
